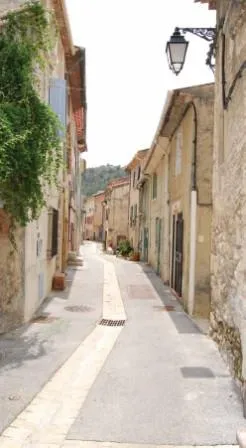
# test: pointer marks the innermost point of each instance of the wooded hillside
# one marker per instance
(95, 179)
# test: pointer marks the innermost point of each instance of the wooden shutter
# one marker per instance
(58, 100)
(54, 242)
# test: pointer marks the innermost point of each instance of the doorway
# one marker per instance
(177, 253)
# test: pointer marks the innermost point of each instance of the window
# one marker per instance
(52, 233)
(58, 100)
(133, 180)
(135, 213)
(154, 186)
(179, 145)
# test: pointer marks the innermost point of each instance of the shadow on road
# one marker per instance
(29, 341)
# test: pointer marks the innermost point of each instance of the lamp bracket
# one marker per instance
(207, 34)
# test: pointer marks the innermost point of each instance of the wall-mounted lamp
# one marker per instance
(177, 46)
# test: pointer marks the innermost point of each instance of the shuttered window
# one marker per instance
(54, 240)
(52, 249)
(58, 100)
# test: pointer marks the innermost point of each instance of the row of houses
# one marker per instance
(28, 274)
(106, 214)
(187, 197)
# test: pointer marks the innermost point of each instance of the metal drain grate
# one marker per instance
(112, 323)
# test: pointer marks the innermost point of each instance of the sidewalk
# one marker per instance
(30, 355)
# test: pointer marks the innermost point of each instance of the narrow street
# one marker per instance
(69, 380)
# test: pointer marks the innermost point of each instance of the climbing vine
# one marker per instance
(30, 146)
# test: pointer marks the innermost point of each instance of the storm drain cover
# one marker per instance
(140, 292)
(78, 308)
(112, 323)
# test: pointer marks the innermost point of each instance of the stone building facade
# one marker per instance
(134, 168)
(89, 206)
(229, 193)
(98, 215)
(177, 179)
(43, 245)
(116, 209)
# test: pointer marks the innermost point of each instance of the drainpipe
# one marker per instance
(193, 213)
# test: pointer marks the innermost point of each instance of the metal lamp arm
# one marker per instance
(207, 34)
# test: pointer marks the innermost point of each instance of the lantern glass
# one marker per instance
(176, 51)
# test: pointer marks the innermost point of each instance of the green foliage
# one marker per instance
(30, 148)
(95, 179)
(124, 248)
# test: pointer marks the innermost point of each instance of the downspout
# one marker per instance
(193, 213)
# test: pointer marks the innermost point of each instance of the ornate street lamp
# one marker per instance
(177, 46)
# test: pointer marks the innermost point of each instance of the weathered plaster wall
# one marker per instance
(118, 215)
(134, 200)
(179, 190)
(180, 187)
(89, 217)
(98, 216)
(158, 210)
(205, 112)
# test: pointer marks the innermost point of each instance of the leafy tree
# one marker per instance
(95, 179)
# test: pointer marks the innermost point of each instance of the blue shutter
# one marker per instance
(58, 100)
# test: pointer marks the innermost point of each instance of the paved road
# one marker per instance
(156, 381)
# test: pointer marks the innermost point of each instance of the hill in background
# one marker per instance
(95, 179)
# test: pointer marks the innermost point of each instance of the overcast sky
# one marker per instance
(127, 72)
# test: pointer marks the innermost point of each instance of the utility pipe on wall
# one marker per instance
(193, 218)
(192, 267)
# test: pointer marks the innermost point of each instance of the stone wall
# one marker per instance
(229, 192)
(11, 277)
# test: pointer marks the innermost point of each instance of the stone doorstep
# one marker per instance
(59, 281)
(241, 437)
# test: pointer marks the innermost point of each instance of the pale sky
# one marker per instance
(127, 72)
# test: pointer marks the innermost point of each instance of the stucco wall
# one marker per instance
(134, 201)
(118, 213)
(158, 210)
(180, 190)
(89, 218)
(30, 272)
(204, 156)
(39, 269)
(229, 194)
(98, 216)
